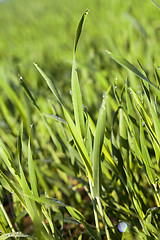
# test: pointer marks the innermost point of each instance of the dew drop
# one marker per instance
(70, 92)
(122, 227)
(115, 87)
(143, 124)
(104, 95)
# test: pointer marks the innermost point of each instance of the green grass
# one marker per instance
(79, 129)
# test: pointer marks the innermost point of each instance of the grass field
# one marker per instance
(79, 119)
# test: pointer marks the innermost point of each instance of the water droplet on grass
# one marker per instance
(21, 79)
(122, 227)
(70, 92)
(143, 124)
(104, 95)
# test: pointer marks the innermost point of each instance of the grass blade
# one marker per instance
(97, 147)
(128, 65)
(75, 133)
(32, 174)
(76, 92)
(79, 29)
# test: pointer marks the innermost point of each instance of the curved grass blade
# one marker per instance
(50, 84)
(13, 188)
(57, 118)
(80, 218)
(30, 96)
(73, 129)
(79, 29)
(128, 65)
(7, 159)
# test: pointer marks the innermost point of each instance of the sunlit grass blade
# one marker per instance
(33, 210)
(144, 115)
(13, 96)
(146, 158)
(13, 188)
(79, 144)
(75, 133)
(109, 159)
(31, 168)
(128, 65)
(123, 135)
(29, 94)
(76, 92)
(14, 235)
(155, 118)
(50, 84)
(7, 159)
(97, 146)
(57, 118)
(79, 29)
(80, 218)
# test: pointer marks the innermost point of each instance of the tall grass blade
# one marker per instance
(97, 146)
(76, 92)
(109, 159)
(31, 168)
(146, 158)
(75, 133)
(79, 29)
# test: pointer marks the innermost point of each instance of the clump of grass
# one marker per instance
(115, 163)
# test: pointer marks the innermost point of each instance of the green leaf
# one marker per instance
(97, 146)
(75, 133)
(7, 159)
(28, 93)
(128, 65)
(79, 29)
(146, 158)
(32, 174)
(76, 92)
